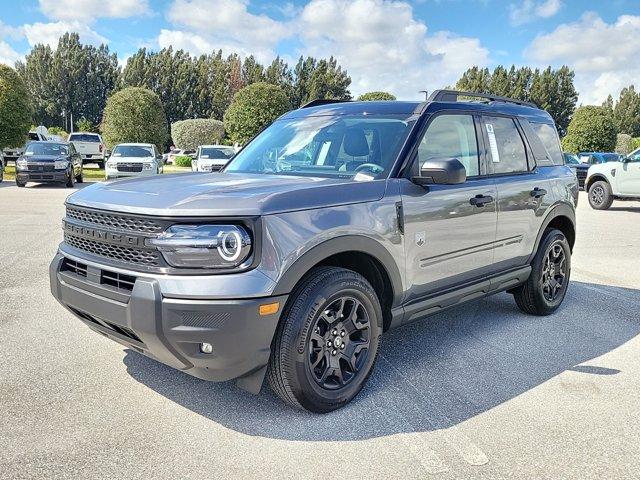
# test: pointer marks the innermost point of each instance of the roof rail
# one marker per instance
(452, 96)
(322, 101)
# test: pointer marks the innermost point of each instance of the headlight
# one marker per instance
(61, 164)
(204, 246)
(112, 164)
(21, 164)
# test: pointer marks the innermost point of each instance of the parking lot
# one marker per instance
(481, 391)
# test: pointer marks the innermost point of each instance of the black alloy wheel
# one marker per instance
(339, 344)
(554, 274)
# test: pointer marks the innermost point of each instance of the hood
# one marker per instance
(224, 194)
(582, 166)
(132, 159)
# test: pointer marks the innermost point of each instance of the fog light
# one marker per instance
(206, 348)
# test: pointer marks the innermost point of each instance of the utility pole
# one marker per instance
(71, 122)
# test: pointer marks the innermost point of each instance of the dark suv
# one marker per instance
(335, 224)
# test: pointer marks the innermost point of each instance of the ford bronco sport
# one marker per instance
(338, 222)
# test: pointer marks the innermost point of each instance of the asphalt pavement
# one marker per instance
(481, 391)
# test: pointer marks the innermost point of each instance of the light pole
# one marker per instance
(426, 94)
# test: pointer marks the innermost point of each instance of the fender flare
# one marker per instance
(342, 244)
(595, 178)
(557, 210)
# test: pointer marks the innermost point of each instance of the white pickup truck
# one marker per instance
(13, 153)
(90, 146)
(611, 181)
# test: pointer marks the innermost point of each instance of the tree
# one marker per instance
(72, 80)
(552, 90)
(322, 79)
(626, 112)
(253, 108)
(134, 114)
(189, 134)
(84, 125)
(373, 96)
(591, 129)
(15, 108)
(624, 143)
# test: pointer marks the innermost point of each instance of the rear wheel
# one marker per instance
(327, 341)
(546, 287)
(600, 196)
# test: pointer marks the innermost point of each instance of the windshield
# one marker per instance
(611, 157)
(33, 136)
(571, 159)
(216, 153)
(340, 146)
(39, 148)
(132, 151)
(84, 137)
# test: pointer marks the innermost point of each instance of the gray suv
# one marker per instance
(338, 222)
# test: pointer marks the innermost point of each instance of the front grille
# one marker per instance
(137, 256)
(116, 221)
(130, 167)
(118, 280)
(40, 168)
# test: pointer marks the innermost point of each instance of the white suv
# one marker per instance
(133, 160)
(611, 181)
(211, 158)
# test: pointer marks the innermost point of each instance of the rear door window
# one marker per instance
(506, 147)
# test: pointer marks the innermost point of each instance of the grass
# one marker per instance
(93, 173)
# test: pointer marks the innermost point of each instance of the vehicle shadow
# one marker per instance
(432, 374)
(624, 209)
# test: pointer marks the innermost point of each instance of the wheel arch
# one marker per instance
(562, 217)
(361, 254)
(595, 178)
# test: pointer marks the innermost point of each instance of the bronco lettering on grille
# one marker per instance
(105, 236)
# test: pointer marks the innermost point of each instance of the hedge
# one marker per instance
(253, 108)
(182, 161)
(15, 109)
(190, 134)
(134, 114)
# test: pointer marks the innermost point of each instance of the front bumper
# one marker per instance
(114, 173)
(55, 176)
(167, 329)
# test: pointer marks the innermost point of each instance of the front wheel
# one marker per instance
(327, 341)
(600, 195)
(70, 180)
(100, 165)
(546, 287)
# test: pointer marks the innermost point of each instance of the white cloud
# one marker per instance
(226, 24)
(379, 42)
(384, 47)
(8, 55)
(530, 10)
(604, 55)
(90, 10)
(49, 33)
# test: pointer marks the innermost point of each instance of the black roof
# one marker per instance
(440, 100)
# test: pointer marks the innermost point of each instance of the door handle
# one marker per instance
(481, 200)
(538, 192)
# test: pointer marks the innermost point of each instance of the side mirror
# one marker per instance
(446, 172)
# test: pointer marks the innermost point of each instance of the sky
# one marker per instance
(398, 46)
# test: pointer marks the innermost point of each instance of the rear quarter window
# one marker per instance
(549, 138)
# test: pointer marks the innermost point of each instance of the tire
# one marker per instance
(600, 195)
(20, 184)
(100, 165)
(538, 295)
(71, 180)
(80, 178)
(310, 320)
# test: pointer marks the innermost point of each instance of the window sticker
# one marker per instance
(495, 156)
